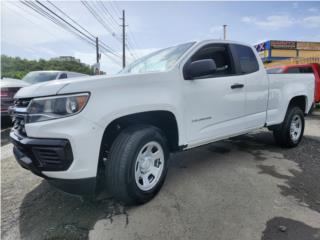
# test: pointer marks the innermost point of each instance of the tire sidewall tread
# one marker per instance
(282, 133)
(120, 171)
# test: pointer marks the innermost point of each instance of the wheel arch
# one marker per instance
(300, 101)
(163, 119)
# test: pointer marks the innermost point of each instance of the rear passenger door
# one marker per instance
(256, 85)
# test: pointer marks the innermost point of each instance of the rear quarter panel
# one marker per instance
(284, 87)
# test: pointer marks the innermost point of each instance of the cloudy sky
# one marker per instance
(152, 25)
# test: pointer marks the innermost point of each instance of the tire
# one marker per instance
(313, 107)
(290, 132)
(135, 157)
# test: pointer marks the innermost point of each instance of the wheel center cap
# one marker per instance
(145, 164)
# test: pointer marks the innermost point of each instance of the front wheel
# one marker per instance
(138, 164)
(290, 132)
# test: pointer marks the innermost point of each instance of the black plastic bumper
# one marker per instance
(38, 154)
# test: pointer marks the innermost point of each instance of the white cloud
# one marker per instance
(276, 22)
(311, 22)
(215, 29)
(248, 19)
(295, 5)
(313, 10)
(19, 23)
(273, 22)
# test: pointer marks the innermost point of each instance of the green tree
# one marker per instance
(15, 67)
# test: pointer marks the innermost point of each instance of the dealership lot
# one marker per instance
(242, 188)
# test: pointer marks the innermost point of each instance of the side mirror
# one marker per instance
(200, 68)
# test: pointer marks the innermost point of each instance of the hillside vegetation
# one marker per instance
(15, 67)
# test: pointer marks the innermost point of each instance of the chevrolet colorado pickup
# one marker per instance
(119, 130)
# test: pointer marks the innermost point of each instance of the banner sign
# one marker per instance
(283, 44)
(261, 47)
(308, 46)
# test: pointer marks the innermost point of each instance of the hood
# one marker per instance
(41, 89)
(13, 83)
(85, 84)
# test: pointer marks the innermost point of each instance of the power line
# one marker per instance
(97, 17)
(105, 50)
(61, 11)
(108, 13)
(30, 20)
(100, 18)
(63, 20)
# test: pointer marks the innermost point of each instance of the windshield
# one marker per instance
(274, 70)
(159, 61)
(37, 77)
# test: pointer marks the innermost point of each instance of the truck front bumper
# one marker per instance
(63, 151)
(39, 155)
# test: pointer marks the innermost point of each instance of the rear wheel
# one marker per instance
(138, 164)
(290, 132)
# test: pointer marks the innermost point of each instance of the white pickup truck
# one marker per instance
(119, 130)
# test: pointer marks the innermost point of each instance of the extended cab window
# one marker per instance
(247, 59)
(222, 57)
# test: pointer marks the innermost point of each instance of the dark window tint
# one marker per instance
(274, 70)
(37, 77)
(306, 70)
(221, 55)
(247, 59)
(63, 75)
(293, 70)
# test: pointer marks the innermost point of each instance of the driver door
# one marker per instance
(214, 104)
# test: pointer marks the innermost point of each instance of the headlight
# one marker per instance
(48, 108)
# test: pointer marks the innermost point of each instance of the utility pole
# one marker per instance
(97, 65)
(97, 49)
(225, 32)
(123, 39)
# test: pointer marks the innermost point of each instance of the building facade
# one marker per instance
(275, 50)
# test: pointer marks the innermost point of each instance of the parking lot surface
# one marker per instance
(242, 188)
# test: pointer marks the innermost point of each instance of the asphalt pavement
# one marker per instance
(244, 188)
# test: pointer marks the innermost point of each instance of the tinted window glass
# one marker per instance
(293, 70)
(274, 70)
(63, 75)
(220, 54)
(306, 70)
(247, 59)
(37, 77)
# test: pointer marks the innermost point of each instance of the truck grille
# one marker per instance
(19, 115)
(19, 121)
(22, 102)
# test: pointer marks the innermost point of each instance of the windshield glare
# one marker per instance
(159, 61)
(37, 77)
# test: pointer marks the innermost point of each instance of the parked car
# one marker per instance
(44, 76)
(121, 129)
(10, 87)
(312, 68)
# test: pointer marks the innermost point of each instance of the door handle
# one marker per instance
(237, 85)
